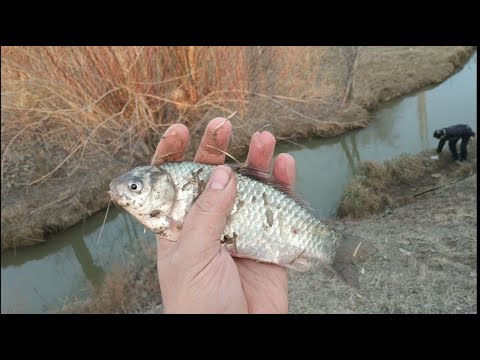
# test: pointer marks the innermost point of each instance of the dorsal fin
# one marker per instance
(267, 179)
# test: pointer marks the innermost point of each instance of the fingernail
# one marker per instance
(167, 133)
(257, 140)
(220, 178)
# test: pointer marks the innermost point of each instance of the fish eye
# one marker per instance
(134, 186)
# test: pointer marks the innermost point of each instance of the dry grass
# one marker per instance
(359, 200)
(114, 100)
(124, 291)
(420, 66)
(426, 264)
(379, 186)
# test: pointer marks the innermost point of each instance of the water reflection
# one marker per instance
(422, 118)
(353, 156)
(384, 121)
(82, 255)
(75, 240)
(92, 272)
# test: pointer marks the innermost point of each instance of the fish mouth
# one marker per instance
(115, 197)
(119, 199)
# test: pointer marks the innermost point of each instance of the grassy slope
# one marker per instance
(384, 185)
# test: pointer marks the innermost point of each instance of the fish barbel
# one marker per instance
(268, 222)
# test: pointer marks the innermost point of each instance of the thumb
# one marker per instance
(205, 223)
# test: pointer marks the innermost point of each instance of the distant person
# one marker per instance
(452, 134)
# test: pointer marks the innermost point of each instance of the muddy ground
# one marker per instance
(358, 78)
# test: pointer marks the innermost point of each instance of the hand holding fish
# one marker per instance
(196, 273)
(222, 230)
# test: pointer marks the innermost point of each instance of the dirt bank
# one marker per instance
(28, 215)
(382, 73)
(346, 82)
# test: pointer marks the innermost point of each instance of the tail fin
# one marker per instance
(351, 248)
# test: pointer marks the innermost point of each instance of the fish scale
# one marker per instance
(267, 223)
(254, 237)
(275, 242)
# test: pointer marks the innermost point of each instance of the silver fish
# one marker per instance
(268, 222)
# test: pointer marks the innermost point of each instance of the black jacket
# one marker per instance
(454, 133)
